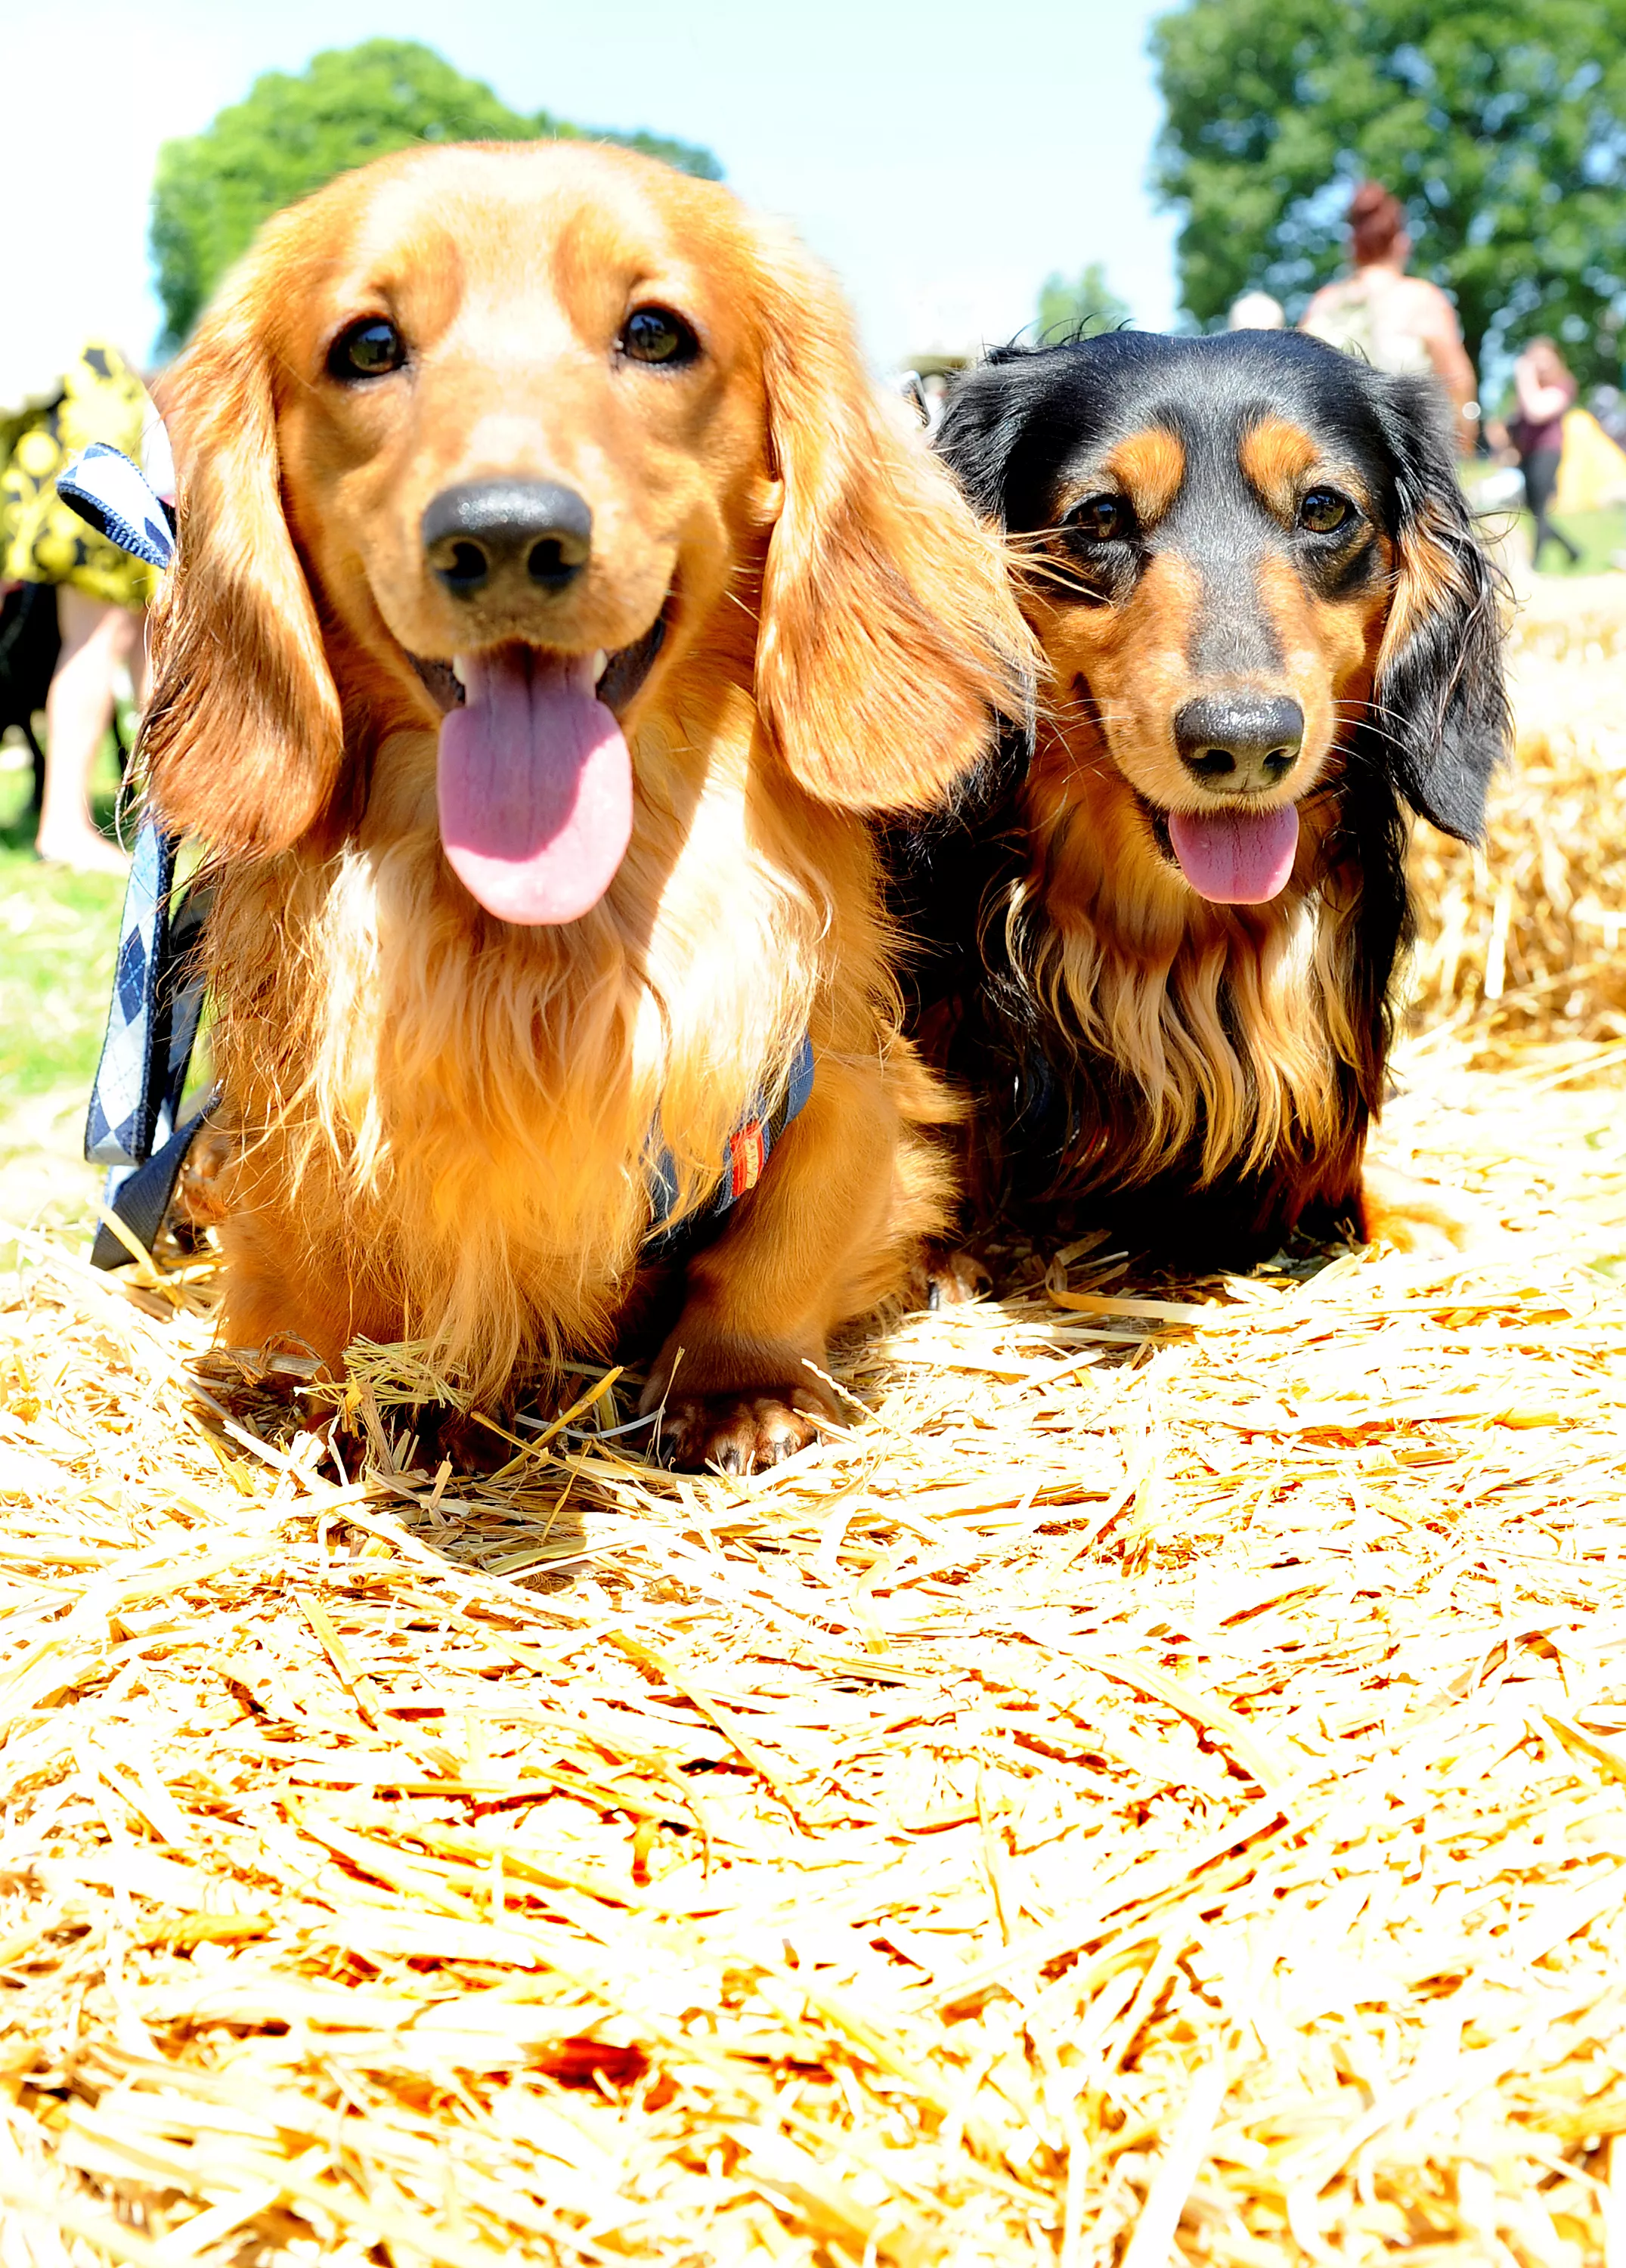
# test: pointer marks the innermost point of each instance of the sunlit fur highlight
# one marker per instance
(439, 1126)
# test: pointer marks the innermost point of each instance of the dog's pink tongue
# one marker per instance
(535, 785)
(1237, 858)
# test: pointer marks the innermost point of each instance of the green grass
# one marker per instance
(58, 935)
(1597, 534)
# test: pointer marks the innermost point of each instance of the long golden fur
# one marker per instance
(438, 1124)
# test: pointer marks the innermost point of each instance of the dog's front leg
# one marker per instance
(828, 1232)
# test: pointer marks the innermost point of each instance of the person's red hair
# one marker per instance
(1376, 219)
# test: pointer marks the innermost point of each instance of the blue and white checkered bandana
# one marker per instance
(132, 1100)
(157, 990)
(105, 488)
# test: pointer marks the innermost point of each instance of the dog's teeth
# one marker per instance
(600, 663)
(457, 671)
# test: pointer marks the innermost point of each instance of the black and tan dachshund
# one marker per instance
(1164, 963)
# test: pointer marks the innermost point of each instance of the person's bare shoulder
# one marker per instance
(1425, 308)
(1329, 296)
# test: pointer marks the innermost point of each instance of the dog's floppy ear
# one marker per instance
(243, 736)
(1441, 697)
(889, 641)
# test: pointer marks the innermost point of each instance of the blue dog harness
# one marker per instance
(134, 1127)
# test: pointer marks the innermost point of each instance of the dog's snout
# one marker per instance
(535, 535)
(1240, 743)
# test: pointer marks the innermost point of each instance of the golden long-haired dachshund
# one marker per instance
(554, 600)
(1165, 966)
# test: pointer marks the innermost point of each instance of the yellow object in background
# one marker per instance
(1591, 471)
(43, 541)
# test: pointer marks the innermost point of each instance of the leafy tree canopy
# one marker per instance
(1500, 124)
(294, 132)
(1068, 310)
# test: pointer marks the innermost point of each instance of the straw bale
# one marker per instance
(1526, 935)
(1156, 1781)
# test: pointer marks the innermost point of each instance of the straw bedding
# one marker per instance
(1154, 1789)
(1528, 932)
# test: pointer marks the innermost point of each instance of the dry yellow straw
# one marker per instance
(1157, 1793)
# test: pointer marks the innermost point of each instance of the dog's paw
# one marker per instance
(202, 1192)
(955, 1278)
(738, 1433)
(942, 1278)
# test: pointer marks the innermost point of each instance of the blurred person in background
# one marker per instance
(101, 592)
(1395, 322)
(1546, 392)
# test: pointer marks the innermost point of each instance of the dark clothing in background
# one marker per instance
(1540, 467)
(1546, 437)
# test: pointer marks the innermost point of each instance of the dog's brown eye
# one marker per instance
(1322, 511)
(1099, 519)
(656, 334)
(370, 348)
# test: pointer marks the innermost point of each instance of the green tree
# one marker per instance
(1073, 309)
(294, 132)
(1500, 124)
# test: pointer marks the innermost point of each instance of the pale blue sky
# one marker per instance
(943, 160)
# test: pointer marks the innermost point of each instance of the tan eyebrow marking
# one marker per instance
(1149, 468)
(1276, 457)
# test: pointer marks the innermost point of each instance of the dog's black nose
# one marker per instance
(1240, 743)
(534, 534)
